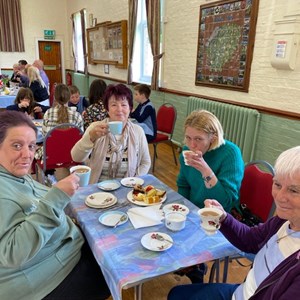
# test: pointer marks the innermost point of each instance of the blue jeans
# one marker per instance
(203, 291)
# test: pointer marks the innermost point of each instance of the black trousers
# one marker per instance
(84, 282)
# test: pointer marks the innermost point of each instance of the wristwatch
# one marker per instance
(209, 177)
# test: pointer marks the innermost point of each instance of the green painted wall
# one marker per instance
(275, 134)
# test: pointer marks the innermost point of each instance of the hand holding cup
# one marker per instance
(210, 219)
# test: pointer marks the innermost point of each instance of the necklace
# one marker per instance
(279, 239)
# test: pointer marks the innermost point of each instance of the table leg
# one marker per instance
(138, 292)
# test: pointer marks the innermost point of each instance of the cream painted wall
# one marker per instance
(269, 87)
(36, 16)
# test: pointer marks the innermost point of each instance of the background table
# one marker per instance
(6, 100)
(120, 254)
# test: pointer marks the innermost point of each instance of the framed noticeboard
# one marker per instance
(107, 44)
(225, 44)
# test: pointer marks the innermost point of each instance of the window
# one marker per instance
(142, 56)
(79, 40)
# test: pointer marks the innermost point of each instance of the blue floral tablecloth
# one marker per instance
(119, 252)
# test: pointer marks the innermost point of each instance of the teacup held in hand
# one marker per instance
(210, 219)
(83, 172)
(115, 127)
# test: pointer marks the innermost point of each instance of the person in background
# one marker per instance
(114, 156)
(15, 77)
(145, 112)
(43, 254)
(275, 273)
(23, 77)
(38, 87)
(40, 65)
(56, 115)
(76, 101)
(214, 169)
(96, 110)
(22, 64)
(24, 102)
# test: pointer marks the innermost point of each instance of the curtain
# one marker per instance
(153, 22)
(83, 26)
(133, 6)
(11, 32)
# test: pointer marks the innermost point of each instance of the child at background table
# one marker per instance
(145, 112)
(56, 115)
(76, 101)
(24, 102)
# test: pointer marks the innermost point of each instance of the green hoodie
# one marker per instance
(39, 244)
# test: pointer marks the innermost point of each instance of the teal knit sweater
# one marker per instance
(227, 164)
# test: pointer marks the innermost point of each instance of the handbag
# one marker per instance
(244, 215)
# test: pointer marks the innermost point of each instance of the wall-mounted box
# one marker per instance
(285, 44)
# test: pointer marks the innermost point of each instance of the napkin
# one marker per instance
(145, 216)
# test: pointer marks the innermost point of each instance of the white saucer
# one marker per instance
(153, 244)
(142, 203)
(109, 185)
(100, 200)
(132, 181)
(111, 218)
(176, 207)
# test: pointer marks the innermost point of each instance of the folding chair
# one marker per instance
(57, 147)
(166, 118)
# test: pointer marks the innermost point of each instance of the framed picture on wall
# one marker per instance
(225, 44)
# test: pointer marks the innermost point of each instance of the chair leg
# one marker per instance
(154, 157)
(175, 160)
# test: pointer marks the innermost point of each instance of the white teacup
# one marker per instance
(210, 219)
(73, 108)
(83, 172)
(184, 153)
(175, 221)
(115, 127)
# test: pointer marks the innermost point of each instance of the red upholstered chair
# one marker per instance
(256, 193)
(57, 147)
(166, 118)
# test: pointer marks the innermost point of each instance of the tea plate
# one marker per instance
(111, 218)
(176, 207)
(100, 200)
(109, 185)
(132, 181)
(142, 203)
(151, 243)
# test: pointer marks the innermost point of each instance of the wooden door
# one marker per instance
(50, 54)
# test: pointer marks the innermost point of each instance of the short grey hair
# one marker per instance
(288, 162)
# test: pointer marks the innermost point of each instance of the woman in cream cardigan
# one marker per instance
(114, 156)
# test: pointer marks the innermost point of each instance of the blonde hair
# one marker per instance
(206, 121)
(62, 96)
(33, 74)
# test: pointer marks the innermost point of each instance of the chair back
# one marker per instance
(256, 189)
(166, 118)
(58, 144)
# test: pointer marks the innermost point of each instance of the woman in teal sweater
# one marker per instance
(210, 168)
(214, 167)
(42, 252)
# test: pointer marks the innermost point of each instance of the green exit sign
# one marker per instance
(49, 34)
